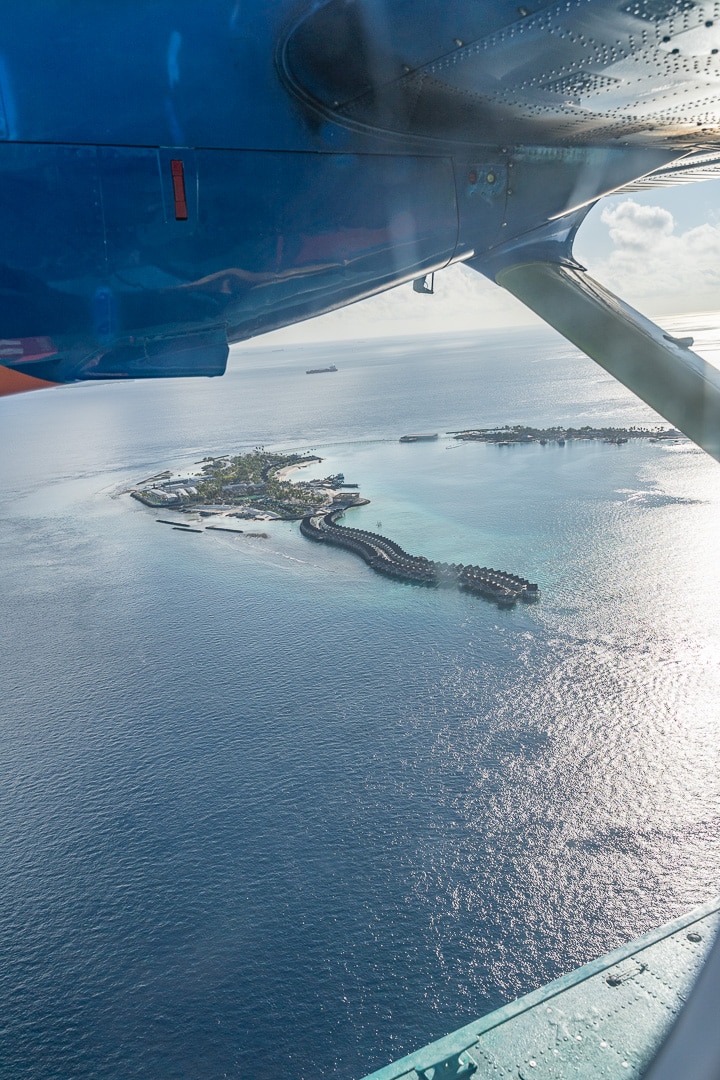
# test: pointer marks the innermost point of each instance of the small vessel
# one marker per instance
(320, 370)
(419, 438)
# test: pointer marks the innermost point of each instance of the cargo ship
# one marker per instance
(418, 438)
(320, 370)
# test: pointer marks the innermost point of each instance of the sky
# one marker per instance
(658, 250)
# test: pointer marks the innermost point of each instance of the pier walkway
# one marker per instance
(384, 556)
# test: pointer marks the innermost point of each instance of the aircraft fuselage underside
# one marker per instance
(176, 177)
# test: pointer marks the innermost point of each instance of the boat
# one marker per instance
(320, 370)
(419, 438)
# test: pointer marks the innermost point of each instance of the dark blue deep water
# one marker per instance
(263, 811)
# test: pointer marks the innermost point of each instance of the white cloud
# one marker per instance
(635, 226)
(657, 267)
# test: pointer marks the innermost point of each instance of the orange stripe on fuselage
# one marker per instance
(15, 382)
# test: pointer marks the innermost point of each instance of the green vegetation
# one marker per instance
(521, 434)
(245, 479)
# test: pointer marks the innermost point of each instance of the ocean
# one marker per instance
(263, 809)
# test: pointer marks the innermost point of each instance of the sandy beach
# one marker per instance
(284, 473)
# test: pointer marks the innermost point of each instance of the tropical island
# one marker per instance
(519, 433)
(252, 485)
(256, 486)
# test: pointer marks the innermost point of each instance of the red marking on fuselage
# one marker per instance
(15, 382)
(178, 180)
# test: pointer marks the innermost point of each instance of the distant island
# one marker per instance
(504, 436)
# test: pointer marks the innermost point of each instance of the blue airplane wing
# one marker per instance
(177, 177)
(606, 1020)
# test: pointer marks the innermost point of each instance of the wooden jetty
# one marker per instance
(386, 557)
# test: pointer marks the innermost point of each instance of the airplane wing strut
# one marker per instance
(660, 369)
